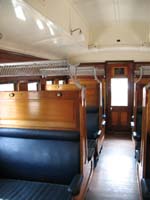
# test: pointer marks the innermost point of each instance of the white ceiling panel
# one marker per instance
(108, 21)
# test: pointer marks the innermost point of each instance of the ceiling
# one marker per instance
(107, 27)
(112, 20)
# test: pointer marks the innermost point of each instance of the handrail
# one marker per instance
(140, 77)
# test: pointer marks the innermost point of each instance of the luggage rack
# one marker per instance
(50, 68)
(29, 68)
(143, 71)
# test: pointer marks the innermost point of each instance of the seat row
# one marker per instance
(141, 137)
(47, 149)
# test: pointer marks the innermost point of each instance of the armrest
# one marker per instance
(99, 133)
(132, 124)
(103, 123)
(75, 185)
(136, 136)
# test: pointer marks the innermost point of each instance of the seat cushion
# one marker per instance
(137, 155)
(92, 144)
(91, 152)
(26, 190)
(136, 136)
(91, 148)
(30, 155)
(92, 118)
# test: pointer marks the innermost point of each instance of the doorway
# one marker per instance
(119, 96)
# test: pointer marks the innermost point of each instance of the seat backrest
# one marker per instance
(148, 157)
(139, 121)
(92, 116)
(39, 155)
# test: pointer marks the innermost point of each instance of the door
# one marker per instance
(119, 96)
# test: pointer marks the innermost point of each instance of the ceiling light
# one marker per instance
(49, 24)
(18, 10)
(40, 24)
(19, 13)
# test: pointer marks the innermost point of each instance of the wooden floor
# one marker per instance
(115, 175)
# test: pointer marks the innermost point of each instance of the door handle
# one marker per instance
(110, 108)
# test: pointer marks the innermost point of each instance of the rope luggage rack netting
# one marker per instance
(31, 68)
(47, 68)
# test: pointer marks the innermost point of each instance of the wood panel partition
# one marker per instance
(87, 168)
(94, 99)
(93, 92)
(45, 110)
(61, 108)
(145, 143)
(138, 95)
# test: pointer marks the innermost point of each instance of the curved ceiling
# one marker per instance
(108, 29)
(117, 22)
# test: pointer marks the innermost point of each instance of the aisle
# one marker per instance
(115, 175)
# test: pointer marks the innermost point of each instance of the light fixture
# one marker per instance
(40, 24)
(50, 24)
(18, 10)
(19, 13)
(80, 36)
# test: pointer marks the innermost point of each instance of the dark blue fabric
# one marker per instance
(136, 136)
(39, 159)
(27, 190)
(92, 109)
(139, 121)
(75, 185)
(92, 118)
(91, 152)
(148, 157)
(38, 134)
(92, 144)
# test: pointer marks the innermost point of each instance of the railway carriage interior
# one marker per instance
(75, 100)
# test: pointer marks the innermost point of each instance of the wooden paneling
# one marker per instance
(46, 110)
(145, 142)
(124, 118)
(138, 95)
(92, 91)
(22, 86)
(115, 118)
(66, 87)
(9, 56)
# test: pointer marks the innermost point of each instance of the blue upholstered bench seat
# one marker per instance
(92, 122)
(39, 164)
(27, 190)
(145, 185)
(91, 148)
(92, 144)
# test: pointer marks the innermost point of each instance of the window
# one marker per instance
(50, 82)
(32, 86)
(119, 92)
(7, 87)
(61, 82)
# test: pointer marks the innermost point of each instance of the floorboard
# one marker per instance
(115, 175)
